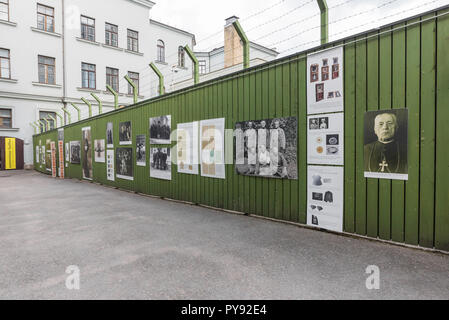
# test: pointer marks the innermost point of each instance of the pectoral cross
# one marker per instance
(383, 165)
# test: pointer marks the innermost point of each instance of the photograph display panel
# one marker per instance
(110, 170)
(325, 81)
(160, 163)
(386, 144)
(267, 148)
(110, 135)
(141, 158)
(212, 148)
(125, 133)
(100, 151)
(325, 197)
(124, 163)
(187, 147)
(160, 130)
(325, 139)
(87, 153)
(75, 152)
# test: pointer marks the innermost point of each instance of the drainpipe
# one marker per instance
(100, 104)
(132, 84)
(161, 78)
(60, 118)
(67, 113)
(89, 105)
(77, 109)
(54, 120)
(115, 94)
(42, 125)
(324, 21)
(245, 41)
(196, 68)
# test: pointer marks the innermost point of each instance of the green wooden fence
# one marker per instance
(404, 65)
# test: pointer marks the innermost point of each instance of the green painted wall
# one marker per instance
(406, 68)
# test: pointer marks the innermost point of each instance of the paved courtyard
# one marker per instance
(128, 246)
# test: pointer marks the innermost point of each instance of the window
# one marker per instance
(4, 10)
(87, 28)
(46, 70)
(160, 51)
(5, 65)
(202, 66)
(134, 76)
(133, 40)
(45, 18)
(111, 37)
(45, 115)
(5, 118)
(88, 76)
(181, 57)
(112, 78)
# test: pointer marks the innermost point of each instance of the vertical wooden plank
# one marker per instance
(398, 187)
(385, 70)
(442, 112)
(412, 99)
(302, 140)
(294, 106)
(278, 191)
(360, 113)
(372, 185)
(286, 113)
(350, 124)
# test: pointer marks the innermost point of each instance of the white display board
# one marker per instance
(325, 81)
(325, 197)
(325, 139)
(187, 147)
(212, 148)
(110, 169)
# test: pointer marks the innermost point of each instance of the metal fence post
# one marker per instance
(68, 114)
(89, 105)
(132, 84)
(77, 109)
(245, 41)
(324, 21)
(196, 68)
(161, 78)
(115, 94)
(100, 104)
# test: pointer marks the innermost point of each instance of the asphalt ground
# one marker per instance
(128, 246)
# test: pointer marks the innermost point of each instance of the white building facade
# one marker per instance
(55, 52)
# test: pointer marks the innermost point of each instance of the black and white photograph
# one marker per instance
(267, 148)
(99, 151)
(87, 153)
(124, 163)
(386, 144)
(160, 130)
(110, 135)
(141, 157)
(75, 152)
(60, 134)
(160, 163)
(125, 133)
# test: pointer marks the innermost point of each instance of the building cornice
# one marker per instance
(166, 26)
(146, 3)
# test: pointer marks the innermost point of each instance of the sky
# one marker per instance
(289, 26)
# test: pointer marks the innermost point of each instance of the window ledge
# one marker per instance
(182, 68)
(10, 129)
(88, 90)
(8, 23)
(88, 41)
(132, 96)
(54, 34)
(161, 62)
(9, 80)
(56, 86)
(134, 52)
(104, 45)
(120, 94)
